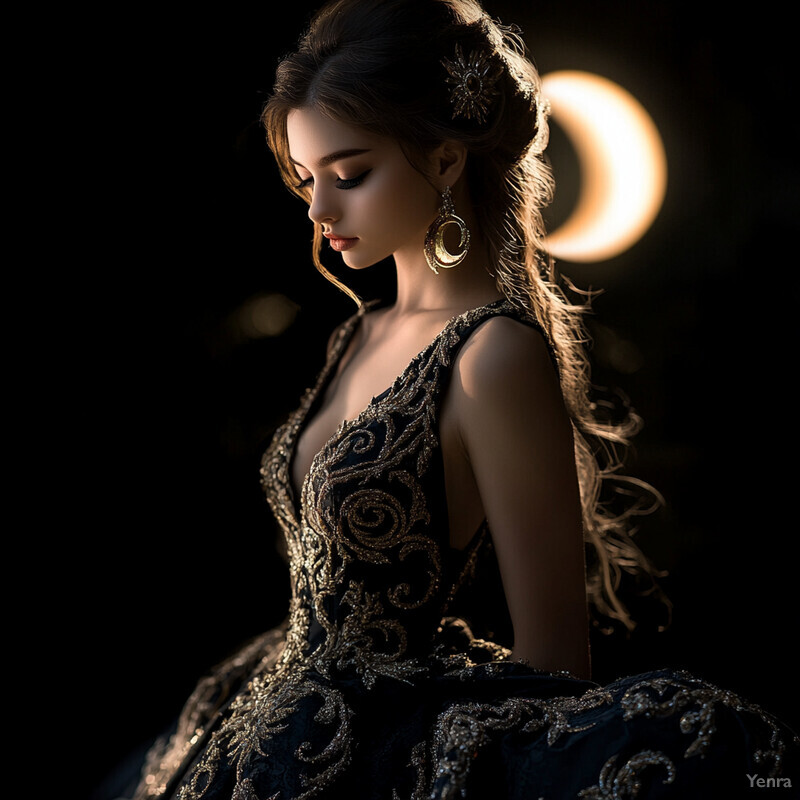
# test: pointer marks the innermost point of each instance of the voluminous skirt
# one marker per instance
(470, 724)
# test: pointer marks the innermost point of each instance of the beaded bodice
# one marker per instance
(371, 566)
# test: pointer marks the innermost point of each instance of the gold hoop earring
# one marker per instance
(436, 253)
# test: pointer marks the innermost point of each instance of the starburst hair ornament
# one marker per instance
(473, 82)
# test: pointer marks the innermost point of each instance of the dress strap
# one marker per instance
(463, 326)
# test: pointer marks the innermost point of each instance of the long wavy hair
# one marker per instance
(378, 64)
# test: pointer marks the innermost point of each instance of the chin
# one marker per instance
(359, 262)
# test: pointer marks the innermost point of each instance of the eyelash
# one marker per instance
(341, 183)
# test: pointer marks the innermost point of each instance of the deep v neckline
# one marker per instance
(305, 413)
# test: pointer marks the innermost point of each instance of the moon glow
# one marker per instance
(623, 166)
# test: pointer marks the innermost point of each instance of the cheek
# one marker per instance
(406, 204)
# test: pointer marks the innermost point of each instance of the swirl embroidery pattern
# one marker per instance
(369, 685)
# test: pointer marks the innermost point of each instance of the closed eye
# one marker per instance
(341, 183)
(351, 183)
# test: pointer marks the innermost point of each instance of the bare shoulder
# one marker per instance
(504, 354)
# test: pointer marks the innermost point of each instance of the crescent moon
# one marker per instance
(622, 160)
(436, 251)
(447, 258)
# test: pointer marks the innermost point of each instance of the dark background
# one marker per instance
(168, 402)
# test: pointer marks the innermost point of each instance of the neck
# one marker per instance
(460, 288)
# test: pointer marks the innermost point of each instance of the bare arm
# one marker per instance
(518, 438)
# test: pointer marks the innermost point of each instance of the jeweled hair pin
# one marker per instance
(473, 82)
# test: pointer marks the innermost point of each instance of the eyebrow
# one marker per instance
(334, 157)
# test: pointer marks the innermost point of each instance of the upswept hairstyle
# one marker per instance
(380, 65)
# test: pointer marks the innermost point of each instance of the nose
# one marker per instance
(322, 207)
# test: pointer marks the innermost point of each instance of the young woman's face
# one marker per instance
(369, 200)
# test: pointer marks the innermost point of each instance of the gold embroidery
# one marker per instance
(465, 728)
(418, 762)
(697, 703)
(166, 758)
(245, 791)
(367, 554)
(364, 636)
(625, 783)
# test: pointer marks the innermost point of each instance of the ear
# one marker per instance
(449, 160)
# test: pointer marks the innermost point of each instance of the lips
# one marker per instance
(340, 243)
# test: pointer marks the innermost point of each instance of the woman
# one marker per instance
(443, 485)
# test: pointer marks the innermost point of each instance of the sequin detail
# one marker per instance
(625, 782)
(370, 631)
(697, 703)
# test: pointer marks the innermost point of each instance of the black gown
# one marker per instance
(389, 681)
